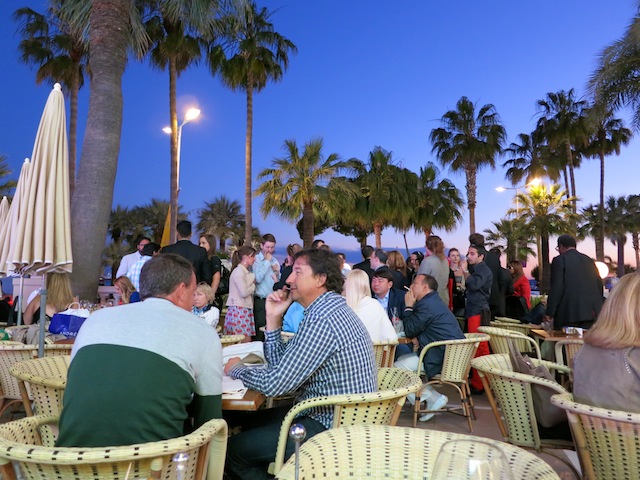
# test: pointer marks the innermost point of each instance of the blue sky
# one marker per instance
(367, 73)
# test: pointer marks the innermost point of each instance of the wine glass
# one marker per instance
(471, 460)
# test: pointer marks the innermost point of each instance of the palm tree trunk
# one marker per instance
(600, 236)
(545, 275)
(571, 175)
(620, 242)
(566, 182)
(307, 224)
(471, 171)
(635, 239)
(377, 231)
(427, 230)
(540, 265)
(73, 128)
(91, 205)
(175, 161)
(247, 166)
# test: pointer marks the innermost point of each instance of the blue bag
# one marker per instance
(68, 323)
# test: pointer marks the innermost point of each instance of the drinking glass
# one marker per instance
(471, 460)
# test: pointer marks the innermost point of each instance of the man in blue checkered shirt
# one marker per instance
(331, 354)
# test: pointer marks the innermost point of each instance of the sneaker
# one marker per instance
(437, 405)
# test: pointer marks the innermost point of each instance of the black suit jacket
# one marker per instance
(396, 299)
(575, 298)
(196, 255)
(366, 266)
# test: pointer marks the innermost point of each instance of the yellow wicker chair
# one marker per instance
(607, 441)
(29, 443)
(227, 340)
(47, 379)
(508, 320)
(512, 391)
(455, 372)
(385, 353)
(565, 351)
(381, 408)
(378, 451)
(499, 340)
(11, 354)
(523, 328)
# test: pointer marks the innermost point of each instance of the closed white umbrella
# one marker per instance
(8, 228)
(42, 240)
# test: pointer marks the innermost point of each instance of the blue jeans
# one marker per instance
(250, 452)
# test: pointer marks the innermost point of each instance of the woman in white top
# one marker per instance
(358, 295)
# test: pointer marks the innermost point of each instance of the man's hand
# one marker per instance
(409, 299)
(276, 305)
(268, 256)
(231, 363)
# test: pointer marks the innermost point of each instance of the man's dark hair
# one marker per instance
(366, 251)
(431, 282)
(383, 273)
(184, 228)
(149, 249)
(566, 241)
(480, 249)
(161, 275)
(324, 263)
(381, 255)
(267, 237)
(476, 239)
(316, 242)
(497, 251)
(140, 238)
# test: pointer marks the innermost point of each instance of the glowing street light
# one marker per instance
(190, 115)
(533, 183)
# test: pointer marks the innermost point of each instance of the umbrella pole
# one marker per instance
(20, 300)
(43, 316)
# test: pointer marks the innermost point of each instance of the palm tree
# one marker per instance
(621, 213)
(608, 135)
(6, 187)
(176, 46)
(296, 182)
(563, 125)
(384, 194)
(437, 203)
(257, 54)
(221, 217)
(514, 235)
(529, 159)
(547, 213)
(468, 142)
(113, 27)
(590, 227)
(61, 56)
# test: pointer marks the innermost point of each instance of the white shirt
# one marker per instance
(127, 262)
(375, 320)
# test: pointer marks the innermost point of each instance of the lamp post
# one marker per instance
(534, 182)
(190, 115)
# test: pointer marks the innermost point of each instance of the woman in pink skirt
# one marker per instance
(242, 285)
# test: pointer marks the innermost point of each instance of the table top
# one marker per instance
(555, 335)
(250, 402)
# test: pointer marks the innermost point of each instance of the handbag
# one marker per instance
(68, 323)
(547, 414)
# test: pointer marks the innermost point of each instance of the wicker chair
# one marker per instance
(523, 328)
(381, 408)
(385, 353)
(455, 372)
(47, 379)
(607, 441)
(227, 340)
(565, 351)
(499, 340)
(512, 391)
(508, 320)
(379, 451)
(29, 443)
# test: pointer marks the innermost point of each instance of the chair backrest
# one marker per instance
(359, 451)
(522, 328)
(22, 441)
(566, 350)
(10, 355)
(499, 340)
(385, 353)
(47, 379)
(508, 320)
(512, 391)
(376, 408)
(457, 356)
(607, 441)
(226, 340)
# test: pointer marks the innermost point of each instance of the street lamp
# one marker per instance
(190, 115)
(533, 183)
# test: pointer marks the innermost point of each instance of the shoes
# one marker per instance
(437, 405)
(475, 391)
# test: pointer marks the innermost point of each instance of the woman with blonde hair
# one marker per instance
(203, 307)
(242, 285)
(358, 295)
(126, 290)
(607, 368)
(437, 265)
(59, 297)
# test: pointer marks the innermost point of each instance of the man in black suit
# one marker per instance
(575, 298)
(195, 254)
(498, 285)
(384, 291)
(365, 265)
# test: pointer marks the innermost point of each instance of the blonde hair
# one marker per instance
(59, 294)
(618, 325)
(356, 287)
(126, 287)
(206, 289)
(395, 261)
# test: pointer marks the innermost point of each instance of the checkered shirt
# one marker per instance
(134, 271)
